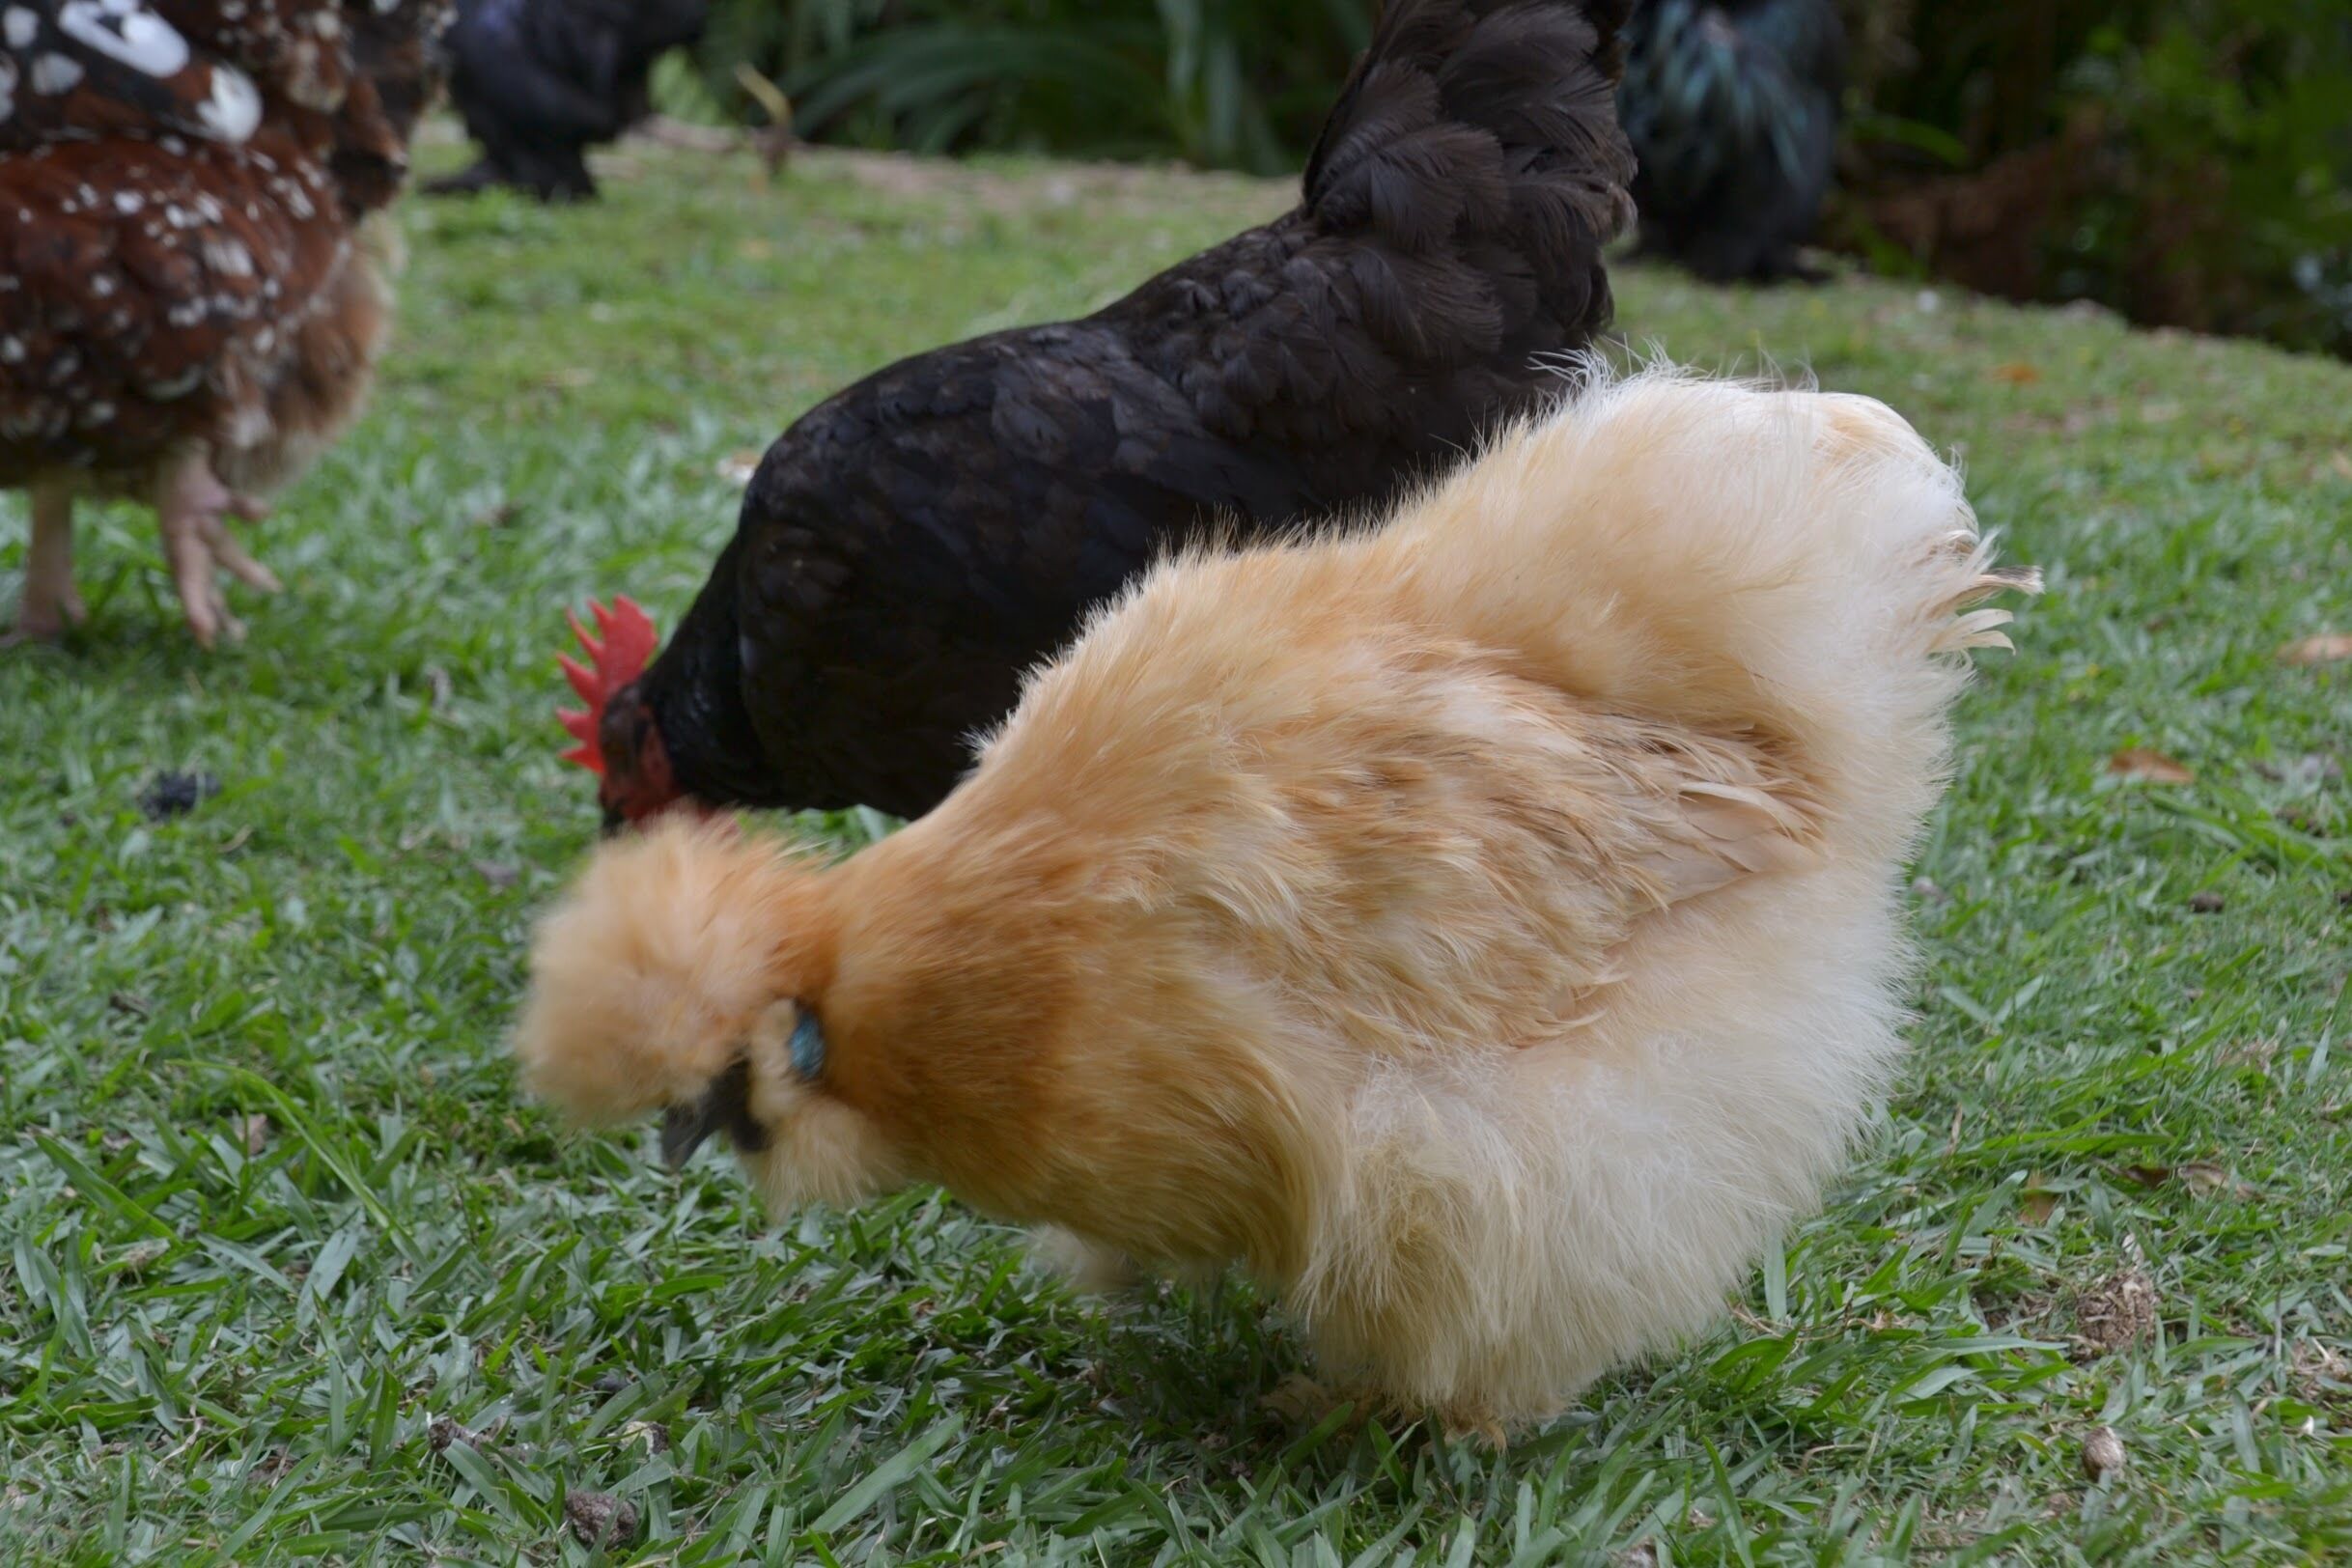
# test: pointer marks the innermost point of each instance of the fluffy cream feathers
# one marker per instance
(1481, 929)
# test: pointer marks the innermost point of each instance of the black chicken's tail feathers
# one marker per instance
(1476, 166)
(1448, 249)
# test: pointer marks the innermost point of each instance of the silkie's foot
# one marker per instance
(1090, 1270)
(1302, 1402)
(1479, 1424)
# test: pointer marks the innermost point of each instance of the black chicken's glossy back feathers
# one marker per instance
(915, 544)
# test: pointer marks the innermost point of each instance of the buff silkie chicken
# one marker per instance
(1484, 930)
(194, 263)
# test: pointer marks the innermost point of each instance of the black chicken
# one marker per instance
(911, 546)
(541, 81)
(1732, 106)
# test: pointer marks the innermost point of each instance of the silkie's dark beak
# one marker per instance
(725, 1107)
(683, 1128)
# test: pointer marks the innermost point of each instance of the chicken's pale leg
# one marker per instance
(50, 603)
(194, 508)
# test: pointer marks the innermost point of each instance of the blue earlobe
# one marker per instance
(808, 1046)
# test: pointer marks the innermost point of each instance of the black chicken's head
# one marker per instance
(619, 737)
(638, 780)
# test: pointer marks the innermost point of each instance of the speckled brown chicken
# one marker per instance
(109, 66)
(192, 302)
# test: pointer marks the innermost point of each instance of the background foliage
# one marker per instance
(1220, 83)
(2187, 162)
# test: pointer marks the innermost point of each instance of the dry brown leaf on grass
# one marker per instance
(2038, 1206)
(136, 1257)
(2102, 1454)
(738, 468)
(257, 1134)
(2200, 1176)
(2253, 1054)
(2142, 766)
(2319, 1370)
(2327, 648)
(2017, 373)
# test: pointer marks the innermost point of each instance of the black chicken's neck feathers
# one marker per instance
(695, 691)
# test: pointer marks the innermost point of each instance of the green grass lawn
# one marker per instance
(293, 1270)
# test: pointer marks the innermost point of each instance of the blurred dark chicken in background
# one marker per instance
(541, 81)
(1732, 110)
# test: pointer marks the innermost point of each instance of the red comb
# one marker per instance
(625, 640)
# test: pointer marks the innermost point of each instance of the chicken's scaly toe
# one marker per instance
(49, 609)
(193, 510)
(200, 595)
(44, 619)
(229, 553)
